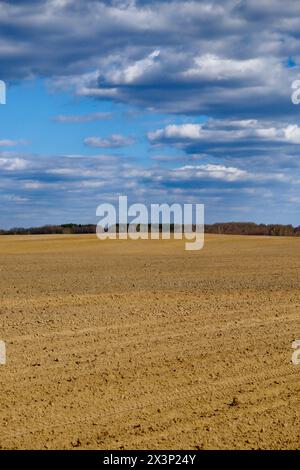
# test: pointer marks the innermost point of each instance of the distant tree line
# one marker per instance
(51, 229)
(227, 228)
(250, 228)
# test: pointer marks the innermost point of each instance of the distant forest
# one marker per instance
(227, 228)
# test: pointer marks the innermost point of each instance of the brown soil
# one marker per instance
(143, 345)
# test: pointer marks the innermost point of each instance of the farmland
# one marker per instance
(143, 345)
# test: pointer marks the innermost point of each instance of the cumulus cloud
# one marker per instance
(77, 184)
(190, 83)
(219, 172)
(212, 58)
(13, 164)
(234, 137)
(221, 131)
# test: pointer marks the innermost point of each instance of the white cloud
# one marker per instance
(82, 118)
(218, 131)
(12, 143)
(113, 141)
(219, 172)
(212, 67)
(13, 164)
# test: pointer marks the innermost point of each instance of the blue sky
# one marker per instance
(162, 101)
